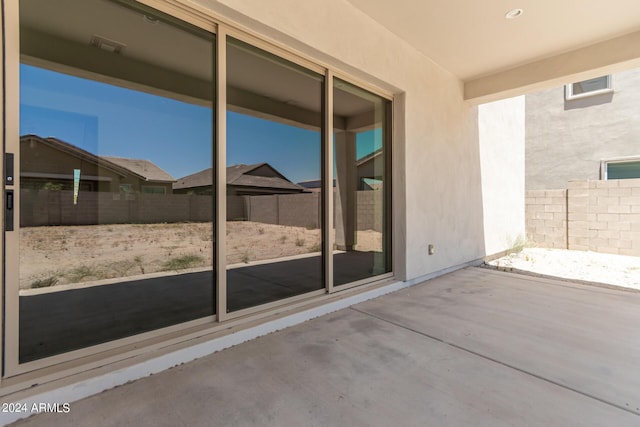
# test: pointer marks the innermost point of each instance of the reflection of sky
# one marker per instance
(110, 120)
(117, 122)
(368, 142)
(292, 151)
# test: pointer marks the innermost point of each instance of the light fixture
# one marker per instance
(513, 14)
(106, 44)
(150, 19)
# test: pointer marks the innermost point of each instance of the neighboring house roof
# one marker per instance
(203, 178)
(78, 152)
(314, 183)
(373, 186)
(261, 175)
(142, 169)
(362, 163)
(369, 157)
(145, 168)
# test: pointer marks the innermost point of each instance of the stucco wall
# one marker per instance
(501, 130)
(438, 158)
(567, 141)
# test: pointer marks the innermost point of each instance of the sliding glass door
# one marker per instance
(274, 160)
(362, 184)
(116, 108)
(168, 176)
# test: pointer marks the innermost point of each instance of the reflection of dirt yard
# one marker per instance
(74, 254)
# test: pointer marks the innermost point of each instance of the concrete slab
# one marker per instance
(463, 349)
(581, 337)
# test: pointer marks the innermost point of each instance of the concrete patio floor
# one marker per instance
(474, 347)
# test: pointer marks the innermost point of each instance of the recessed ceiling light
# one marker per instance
(513, 14)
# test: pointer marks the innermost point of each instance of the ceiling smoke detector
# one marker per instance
(106, 44)
(513, 14)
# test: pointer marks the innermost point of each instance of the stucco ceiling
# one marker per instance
(472, 38)
(60, 36)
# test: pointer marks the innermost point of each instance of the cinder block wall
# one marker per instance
(604, 216)
(546, 217)
(599, 216)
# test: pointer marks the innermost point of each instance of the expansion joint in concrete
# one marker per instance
(489, 358)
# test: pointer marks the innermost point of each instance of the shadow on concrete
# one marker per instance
(58, 322)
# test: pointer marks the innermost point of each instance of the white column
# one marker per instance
(345, 204)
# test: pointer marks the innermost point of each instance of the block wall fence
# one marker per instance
(599, 216)
(48, 207)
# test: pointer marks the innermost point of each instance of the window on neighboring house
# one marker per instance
(126, 188)
(590, 87)
(154, 189)
(621, 169)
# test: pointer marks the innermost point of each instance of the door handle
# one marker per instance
(8, 211)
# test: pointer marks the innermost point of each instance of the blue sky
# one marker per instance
(110, 120)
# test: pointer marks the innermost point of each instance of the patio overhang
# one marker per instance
(592, 61)
(498, 56)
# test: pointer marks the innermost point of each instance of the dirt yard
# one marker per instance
(617, 270)
(51, 256)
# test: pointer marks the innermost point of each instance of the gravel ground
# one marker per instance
(66, 255)
(617, 270)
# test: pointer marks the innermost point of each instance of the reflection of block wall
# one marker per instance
(601, 216)
(161, 209)
(304, 210)
(369, 208)
(300, 210)
(262, 209)
(236, 208)
(297, 210)
(546, 217)
(43, 207)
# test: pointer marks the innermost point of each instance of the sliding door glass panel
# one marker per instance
(361, 186)
(274, 209)
(115, 107)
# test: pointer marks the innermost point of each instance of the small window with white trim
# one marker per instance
(591, 87)
(628, 168)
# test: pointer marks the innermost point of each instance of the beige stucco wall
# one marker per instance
(501, 133)
(567, 140)
(439, 157)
